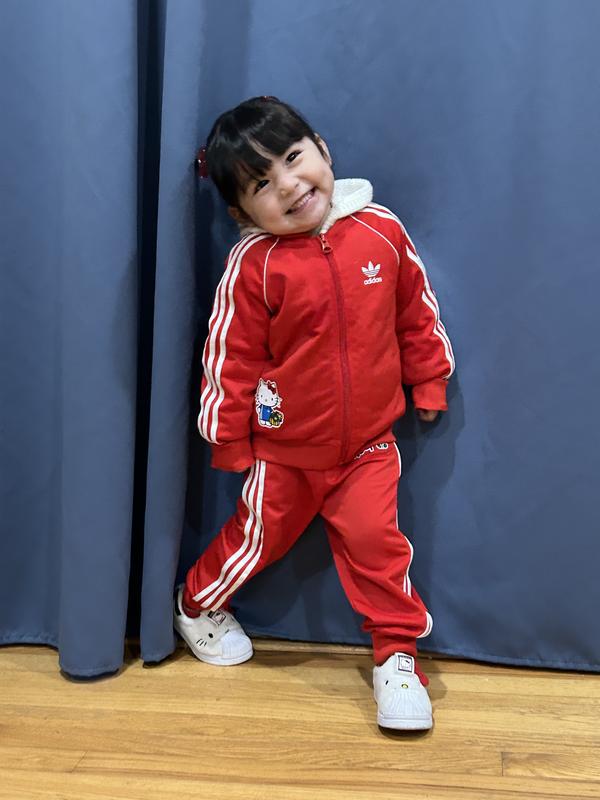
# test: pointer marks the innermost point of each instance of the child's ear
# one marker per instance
(239, 216)
(326, 154)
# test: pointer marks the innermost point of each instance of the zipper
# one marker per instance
(343, 341)
(325, 246)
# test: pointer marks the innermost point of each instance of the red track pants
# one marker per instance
(358, 502)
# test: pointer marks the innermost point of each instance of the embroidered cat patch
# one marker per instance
(267, 402)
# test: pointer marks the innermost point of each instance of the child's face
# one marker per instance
(295, 194)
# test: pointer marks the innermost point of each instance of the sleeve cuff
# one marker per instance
(234, 456)
(430, 395)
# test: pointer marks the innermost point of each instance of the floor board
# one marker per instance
(292, 724)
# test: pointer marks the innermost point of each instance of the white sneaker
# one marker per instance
(215, 637)
(402, 700)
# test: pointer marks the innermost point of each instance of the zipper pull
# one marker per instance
(325, 246)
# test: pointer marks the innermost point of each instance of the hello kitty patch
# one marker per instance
(267, 402)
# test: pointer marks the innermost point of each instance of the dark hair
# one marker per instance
(232, 157)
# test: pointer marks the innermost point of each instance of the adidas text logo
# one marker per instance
(381, 446)
(371, 271)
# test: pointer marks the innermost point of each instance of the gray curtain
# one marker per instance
(478, 124)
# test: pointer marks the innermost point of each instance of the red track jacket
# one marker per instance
(310, 340)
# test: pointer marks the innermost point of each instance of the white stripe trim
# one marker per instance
(397, 520)
(407, 581)
(407, 585)
(249, 486)
(265, 275)
(362, 222)
(399, 461)
(223, 312)
(439, 329)
(213, 596)
(430, 300)
(428, 626)
(218, 598)
(384, 212)
(378, 207)
(253, 556)
(211, 389)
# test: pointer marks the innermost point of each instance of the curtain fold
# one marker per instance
(68, 309)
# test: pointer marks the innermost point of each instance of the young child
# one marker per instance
(323, 311)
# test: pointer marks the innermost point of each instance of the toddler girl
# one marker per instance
(323, 312)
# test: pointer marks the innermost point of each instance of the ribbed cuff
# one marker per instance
(430, 395)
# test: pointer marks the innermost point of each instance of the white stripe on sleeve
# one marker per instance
(430, 300)
(219, 323)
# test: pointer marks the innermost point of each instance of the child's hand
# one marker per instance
(425, 415)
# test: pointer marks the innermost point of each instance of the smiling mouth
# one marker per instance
(300, 204)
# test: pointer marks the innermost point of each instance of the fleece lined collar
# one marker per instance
(349, 196)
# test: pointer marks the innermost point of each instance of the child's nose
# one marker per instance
(287, 183)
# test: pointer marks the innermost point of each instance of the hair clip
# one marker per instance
(201, 165)
(269, 97)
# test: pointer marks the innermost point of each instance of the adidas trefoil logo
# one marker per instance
(371, 271)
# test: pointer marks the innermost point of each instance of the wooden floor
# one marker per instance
(291, 725)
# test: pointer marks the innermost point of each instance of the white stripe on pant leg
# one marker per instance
(217, 598)
(408, 591)
(428, 625)
(253, 553)
(399, 461)
(259, 550)
(407, 584)
(249, 488)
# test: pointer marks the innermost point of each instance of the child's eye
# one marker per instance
(293, 155)
(260, 185)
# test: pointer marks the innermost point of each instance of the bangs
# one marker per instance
(249, 163)
(242, 139)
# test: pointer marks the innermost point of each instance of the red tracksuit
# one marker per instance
(309, 343)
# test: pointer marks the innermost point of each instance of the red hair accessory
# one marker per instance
(201, 165)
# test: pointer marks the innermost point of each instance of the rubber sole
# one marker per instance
(218, 661)
(405, 724)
